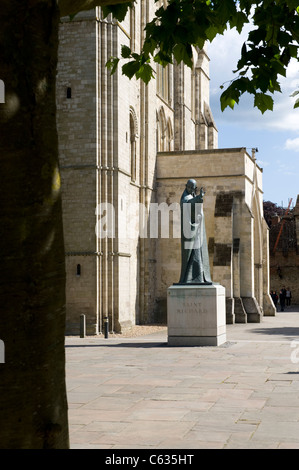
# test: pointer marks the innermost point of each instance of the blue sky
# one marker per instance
(275, 133)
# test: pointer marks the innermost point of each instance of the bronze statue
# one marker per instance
(195, 257)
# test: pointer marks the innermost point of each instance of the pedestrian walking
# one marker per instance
(288, 297)
(274, 297)
(282, 300)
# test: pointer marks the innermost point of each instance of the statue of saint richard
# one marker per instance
(195, 267)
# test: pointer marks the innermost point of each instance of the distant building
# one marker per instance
(284, 252)
(125, 146)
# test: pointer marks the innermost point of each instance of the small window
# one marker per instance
(69, 92)
(78, 270)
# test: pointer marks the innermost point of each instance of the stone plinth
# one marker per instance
(196, 315)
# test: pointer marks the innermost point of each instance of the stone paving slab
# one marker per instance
(140, 393)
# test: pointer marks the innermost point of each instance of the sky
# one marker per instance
(275, 133)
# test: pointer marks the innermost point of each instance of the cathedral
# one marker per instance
(126, 151)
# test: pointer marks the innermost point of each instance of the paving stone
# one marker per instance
(133, 394)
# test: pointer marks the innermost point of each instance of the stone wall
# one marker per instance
(76, 113)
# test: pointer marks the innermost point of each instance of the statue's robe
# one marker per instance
(195, 257)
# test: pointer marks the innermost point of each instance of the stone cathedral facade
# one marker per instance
(126, 151)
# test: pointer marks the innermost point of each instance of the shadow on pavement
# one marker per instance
(285, 331)
(119, 345)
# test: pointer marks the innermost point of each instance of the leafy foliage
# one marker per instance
(270, 210)
(119, 11)
(296, 105)
(265, 55)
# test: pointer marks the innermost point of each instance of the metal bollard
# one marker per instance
(106, 326)
(82, 326)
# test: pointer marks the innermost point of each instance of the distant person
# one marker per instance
(274, 297)
(284, 290)
(282, 300)
(288, 297)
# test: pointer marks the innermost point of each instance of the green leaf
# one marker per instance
(131, 68)
(238, 21)
(226, 10)
(112, 64)
(125, 52)
(211, 32)
(145, 72)
(293, 4)
(182, 53)
(293, 50)
(162, 58)
(295, 93)
(278, 67)
(228, 98)
(227, 102)
(118, 11)
(149, 46)
(263, 102)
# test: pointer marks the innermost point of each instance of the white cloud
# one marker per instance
(224, 53)
(292, 144)
(262, 163)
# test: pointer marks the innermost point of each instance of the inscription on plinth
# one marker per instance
(192, 309)
(196, 315)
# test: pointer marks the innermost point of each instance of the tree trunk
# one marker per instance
(33, 405)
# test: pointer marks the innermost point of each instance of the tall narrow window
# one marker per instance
(132, 29)
(78, 272)
(193, 94)
(133, 144)
(133, 149)
(162, 127)
(169, 136)
(163, 82)
(69, 92)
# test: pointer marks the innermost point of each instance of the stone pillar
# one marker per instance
(239, 311)
(268, 305)
(251, 306)
(223, 253)
(179, 121)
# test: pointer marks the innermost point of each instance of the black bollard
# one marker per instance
(106, 326)
(82, 326)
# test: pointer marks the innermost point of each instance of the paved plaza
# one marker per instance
(140, 393)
